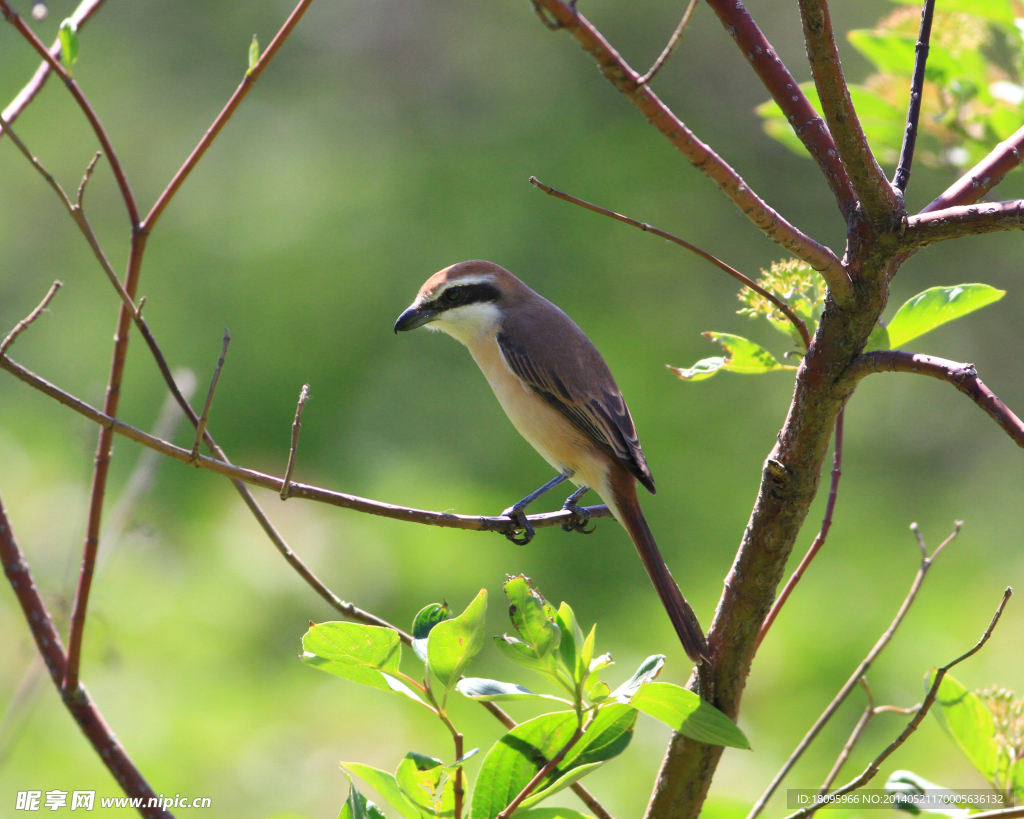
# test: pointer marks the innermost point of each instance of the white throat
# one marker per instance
(468, 323)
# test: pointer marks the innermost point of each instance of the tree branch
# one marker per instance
(869, 772)
(81, 15)
(984, 176)
(879, 203)
(544, 772)
(851, 683)
(902, 176)
(765, 218)
(298, 490)
(819, 540)
(22, 325)
(78, 702)
(673, 41)
(809, 127)
(962, 376)
(964, 220)
(784, 308)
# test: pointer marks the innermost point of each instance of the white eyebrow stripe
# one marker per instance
(466, 280)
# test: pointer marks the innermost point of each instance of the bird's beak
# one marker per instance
(415, 317)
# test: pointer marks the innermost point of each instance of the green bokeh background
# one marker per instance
(389, 139)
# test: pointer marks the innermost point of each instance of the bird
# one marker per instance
(560, 395)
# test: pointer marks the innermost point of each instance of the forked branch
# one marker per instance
(964, 220)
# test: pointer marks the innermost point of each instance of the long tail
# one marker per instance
(631, 517)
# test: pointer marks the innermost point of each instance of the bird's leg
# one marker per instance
(581, 515)
(518, 511)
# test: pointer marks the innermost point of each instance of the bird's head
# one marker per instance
(464, 300)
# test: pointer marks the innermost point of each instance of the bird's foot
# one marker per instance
(518, 514)
(580, 519)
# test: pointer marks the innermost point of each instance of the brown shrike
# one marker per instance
(559, 393)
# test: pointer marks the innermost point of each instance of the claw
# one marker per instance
(580, 519)
(519, 516)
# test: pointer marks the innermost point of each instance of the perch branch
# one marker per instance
(204, 418)
(819, 540)
(869, 772)
(862, 669)
(784, 308)
(984, 176)
(78, 702)
(962, 376)
(673, 41)
(765, 218)
(298, 490)
(296, 428)
(879, 202)
(902, 176)
(80, 17)
(964, 220)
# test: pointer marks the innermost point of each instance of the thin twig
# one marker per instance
(797, 322)
(86, 176)
(962, 376)
(871, 770)
(78, 702)
(862, 723)
(296, 428)
(501, 524)
(81, 15)
(673, 41)
(22, 325)
(248, 81)
(984, 176)
(844, 692)
(902, 176)
(201, 426)
(764, 217)
(541, 775)
(819, 540)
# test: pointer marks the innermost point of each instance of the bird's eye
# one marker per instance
(452, 294)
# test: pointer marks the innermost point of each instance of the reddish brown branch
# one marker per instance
(670, 46)
(962, 376)
(205, 417)
(784, 308)
(78, 702)
(81, 15)
(626, 80)
(809, 127)
(984, 176)
(540, 776)
(964, 220)
(902, 176)
(293, 450)
(819, 540)
(298, 490)
(879, 203)
(236, 99)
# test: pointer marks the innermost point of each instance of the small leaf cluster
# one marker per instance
(987, 726)
(593, 723)
(803, 290)
(973, 95)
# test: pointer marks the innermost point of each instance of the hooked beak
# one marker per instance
(415, 317)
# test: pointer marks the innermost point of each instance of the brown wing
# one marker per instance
(557, 361)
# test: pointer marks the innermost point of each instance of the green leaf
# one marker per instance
(997, 10)
(425, 783)
(571, 643)
(424, 622)
(478, 688)
(560, 784)
(254, 54)
(688, 714)
(68, 36)
(878, 340)
(458, 763)
(551, 813)
(971, 725)
(358, 806)
(936, 306)
(648, 670)
(587, 655)
(353, 651)
(910, 784)
(387, 786)
(599, 692)
(517, 757)
(540, 635)
(453, 643)
(744, 357)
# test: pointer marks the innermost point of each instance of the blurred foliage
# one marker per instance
(387, 140)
